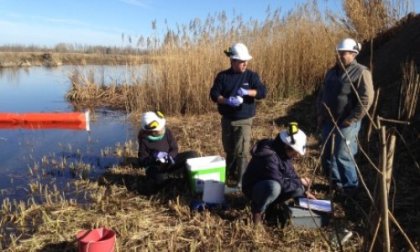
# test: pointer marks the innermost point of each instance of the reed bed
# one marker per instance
(291, 54)
(50, 218)
(87, 92)
(286, 50)
(145, 224)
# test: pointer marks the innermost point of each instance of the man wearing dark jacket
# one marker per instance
(270, 176)
(344, 99)
(235, 91)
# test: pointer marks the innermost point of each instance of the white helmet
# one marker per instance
(153, 121)
(349, 45)
(295, 140)
(238, 51)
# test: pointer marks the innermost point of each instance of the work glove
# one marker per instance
(243, 92)
(161, 157)
(234, 101)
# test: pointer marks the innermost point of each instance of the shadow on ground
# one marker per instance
(303, 112)
(134, 179)
(65, 246)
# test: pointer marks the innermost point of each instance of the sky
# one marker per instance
(102, 22)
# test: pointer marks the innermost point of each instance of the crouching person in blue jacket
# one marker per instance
(270, 176)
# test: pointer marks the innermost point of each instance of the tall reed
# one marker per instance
(367, 18)
(290, 54)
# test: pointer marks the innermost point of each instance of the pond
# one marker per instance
(23, 152)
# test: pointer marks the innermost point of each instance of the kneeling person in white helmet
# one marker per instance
(270, 176)
(158, 150)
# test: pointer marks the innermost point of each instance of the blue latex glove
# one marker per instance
(243, 92)
(234, 101)
(161, 157)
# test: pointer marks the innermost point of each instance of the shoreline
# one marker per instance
(53, 59)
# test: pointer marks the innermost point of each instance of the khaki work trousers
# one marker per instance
(236, 138)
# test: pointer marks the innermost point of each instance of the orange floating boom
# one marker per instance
(56, 120)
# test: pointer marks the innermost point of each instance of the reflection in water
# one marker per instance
(50, 154)
(12, 74)
(110, 75)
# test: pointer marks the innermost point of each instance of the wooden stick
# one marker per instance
(368, 158)
(386, 244)
(375, 105)
(394, 121)
(357, 96)
(391, 216)
(329, 168)
(415, 96)
(390, 160)
(352, 157)
(375, 235)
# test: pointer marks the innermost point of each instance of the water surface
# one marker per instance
(40, 89)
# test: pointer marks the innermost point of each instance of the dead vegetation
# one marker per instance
(286, 50)
(178, 85)
(50, 219)
(53, 59)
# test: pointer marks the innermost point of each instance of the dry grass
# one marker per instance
(52, 59)
(86, 91)
(367, 18)
(291, 54)
(50, 219)
(286, 54)
(145, 224)
(282, 49)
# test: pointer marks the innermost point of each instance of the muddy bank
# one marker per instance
(27, 59)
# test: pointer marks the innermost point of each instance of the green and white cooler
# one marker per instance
(209, 168)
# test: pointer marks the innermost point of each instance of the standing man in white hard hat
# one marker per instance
(235, 91)
(270, 176)
(343, 83)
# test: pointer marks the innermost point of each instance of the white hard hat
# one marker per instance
(297, 141)
(238, 51)
(153, 121)
(349, 45)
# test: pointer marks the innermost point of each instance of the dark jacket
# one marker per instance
(227, 83)
(147, 147)
(270, 162)
(337, 93)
